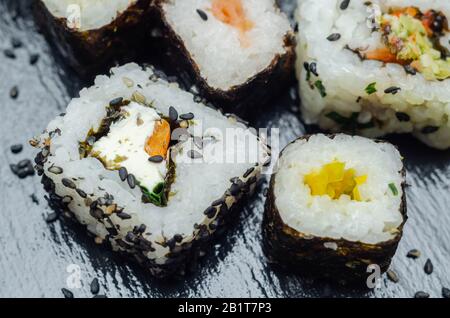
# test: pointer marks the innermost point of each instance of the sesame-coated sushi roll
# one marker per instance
(89, 34)
(335, 205)
(376, 67)
(239, 51)
(147, 169)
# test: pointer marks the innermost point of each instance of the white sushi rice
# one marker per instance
(85, 15)
(216, 48)
(197, 184)
(373, 220)
(345, 77)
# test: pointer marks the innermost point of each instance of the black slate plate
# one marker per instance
(36, 257)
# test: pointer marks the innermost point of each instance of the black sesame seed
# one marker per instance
(187, 116)
(15, 169)
(116, 102)
(313, 68)
(445, 292)
(93, 204)
(15, 149)
(9, 53)
(210, 212)
(81, 193)
(97, 213)
(429, 130)
(14, 92)
(212, 226)
(410, 70)
(235, 189)
(142, 228)
(130, 237)
(45, 152)
(154, 78)
(131, 181)
(34, 199)
(235, 180)
(171, 243)
(173, 114)
(402, 116)
(16, 43)
(428, 268)
(52, 217)
(25, 172)
(413, 254)
(34, 58)
(178, 238)
(123, 215)
(123, 173)
(218, 202)
(67, 293)
(438, 23)
(334, 37)
(23, 163)
(156, 159)
(68, 183)
(202, 14)
(392, 276)
(39, 169)
(306, 66)
(101, 201)
(55, 170)
(344, 4)
(112, 231)
(193, 154)
(392, 90)
(67, 199)
(421, 294)
(95, 286)
(248, 172)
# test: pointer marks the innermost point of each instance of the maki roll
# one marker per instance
(335, 205)
(89, 34)
(239, 51)
(376, 67)
(147, 169)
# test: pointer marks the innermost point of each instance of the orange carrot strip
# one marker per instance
(158, 143)
(383, 55)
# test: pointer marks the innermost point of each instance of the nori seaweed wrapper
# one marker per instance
(88, 52)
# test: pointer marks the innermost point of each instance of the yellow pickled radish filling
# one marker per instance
(334, 180)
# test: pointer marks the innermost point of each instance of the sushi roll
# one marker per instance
(89, 34)
(148, 170)
(335, 205)
(240, 52)
(376, 67)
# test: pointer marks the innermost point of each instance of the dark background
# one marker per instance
(34, 255)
